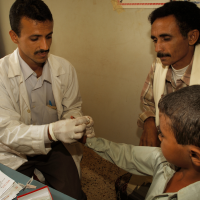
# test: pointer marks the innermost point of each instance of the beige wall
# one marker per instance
(112, 54)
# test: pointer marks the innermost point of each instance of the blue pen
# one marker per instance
(50, 103)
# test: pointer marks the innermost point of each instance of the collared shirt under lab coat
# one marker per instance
(40, 94)
(142, 160)
(18, 137)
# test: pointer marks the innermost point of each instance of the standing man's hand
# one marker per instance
(150, 134)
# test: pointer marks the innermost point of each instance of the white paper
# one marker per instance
(8, 187)
(12, 192)
(5, 183)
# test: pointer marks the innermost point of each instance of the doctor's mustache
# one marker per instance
(42, 51)
(160, 55)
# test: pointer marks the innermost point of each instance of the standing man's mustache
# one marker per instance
(42, 51)
(160, 55)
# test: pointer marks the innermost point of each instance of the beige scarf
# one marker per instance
(160, 76)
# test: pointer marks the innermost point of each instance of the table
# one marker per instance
(21, 178)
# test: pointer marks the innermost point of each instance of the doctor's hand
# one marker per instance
(69, 130)
(150, 134)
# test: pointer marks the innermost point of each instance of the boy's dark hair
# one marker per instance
(183, 109)
(187, 15)
(32, 9)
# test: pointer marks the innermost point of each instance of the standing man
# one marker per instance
(175, 33)
(39, 93)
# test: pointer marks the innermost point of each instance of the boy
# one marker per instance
(175, 166)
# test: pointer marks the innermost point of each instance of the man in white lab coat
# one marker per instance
(39, 93)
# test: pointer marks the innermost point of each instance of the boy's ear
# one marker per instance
(13, 36)
(195, 155)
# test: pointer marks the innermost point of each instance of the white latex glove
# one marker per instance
(89, 128)
(69, 130)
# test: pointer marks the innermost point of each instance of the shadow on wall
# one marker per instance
(152, 48)
(2, 48)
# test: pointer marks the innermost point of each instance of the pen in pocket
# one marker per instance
(51, 105)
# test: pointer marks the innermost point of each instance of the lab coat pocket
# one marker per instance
(50, 115)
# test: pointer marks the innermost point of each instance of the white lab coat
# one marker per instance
(18, 137)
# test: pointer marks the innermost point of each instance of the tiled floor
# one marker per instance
(98, 176)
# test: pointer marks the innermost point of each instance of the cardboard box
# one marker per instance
(39, 194)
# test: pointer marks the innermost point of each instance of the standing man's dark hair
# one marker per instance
(32, 9)
(187, 15)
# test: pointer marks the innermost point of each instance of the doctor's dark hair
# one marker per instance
(32, 9)
(183, 109)
(187, 15)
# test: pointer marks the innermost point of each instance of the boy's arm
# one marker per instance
(134, 159)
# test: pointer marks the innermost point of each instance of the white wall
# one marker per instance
(112, 54)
